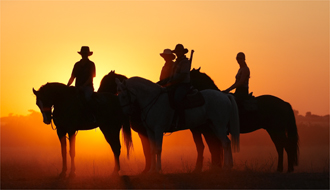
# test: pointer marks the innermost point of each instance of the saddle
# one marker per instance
(250, 104)
(192, 100)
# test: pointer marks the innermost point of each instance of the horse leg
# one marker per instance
(200, 149)
(112, 138)
(226, 144)
(290, 158)
(159, 144)
(147, 152)
(278, 139)
(228, 162)
(151, 137)
(72, 139)
(62, 137)
(215, 148)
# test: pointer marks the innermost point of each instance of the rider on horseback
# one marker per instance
(167, 68)
(180, 81)
(242, 80)
(84, 72)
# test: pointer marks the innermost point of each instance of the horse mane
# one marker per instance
(202, 81)
(55, 89)
(53, 86)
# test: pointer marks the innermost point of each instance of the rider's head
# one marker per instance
(180, 50)
(167, 55)
(240, 57)
(84, 52)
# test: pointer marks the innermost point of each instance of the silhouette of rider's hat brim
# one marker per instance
(85, 51)
(167, 53)
(180, 48)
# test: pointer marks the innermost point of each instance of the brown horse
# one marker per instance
(69, 115)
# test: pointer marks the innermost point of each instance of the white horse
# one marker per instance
(219, 111)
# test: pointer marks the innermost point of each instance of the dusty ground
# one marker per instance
(232, 179)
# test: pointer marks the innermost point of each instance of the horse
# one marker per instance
(219, 111)
(109, 85)
(69, 116)
(273, 114)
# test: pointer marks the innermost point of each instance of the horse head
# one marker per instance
(45, 105)
(108, 83)
(201, 81)
(48, 94)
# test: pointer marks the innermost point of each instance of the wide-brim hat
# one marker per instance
(167, 53)
(85, 50)
(180, 48)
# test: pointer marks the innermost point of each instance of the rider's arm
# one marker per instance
(71, 79)
(244, 77)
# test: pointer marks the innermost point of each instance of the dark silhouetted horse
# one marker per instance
(108, 84)
(273, 114)
(69, 115)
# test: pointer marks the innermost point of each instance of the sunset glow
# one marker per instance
(286, 44)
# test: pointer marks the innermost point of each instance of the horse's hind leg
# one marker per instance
(112, 138)
(72, 139)
(215, 148)
(226, 145)
(278, 137)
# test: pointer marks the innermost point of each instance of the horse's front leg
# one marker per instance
(152, 142)
(158, 146)
(200, 149)
(146, 150)
(64, 161)
(72, 139)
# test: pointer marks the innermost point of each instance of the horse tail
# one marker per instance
(127, 135)
(234, 124)
(292, 135)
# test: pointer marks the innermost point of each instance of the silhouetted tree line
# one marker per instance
(309, 117)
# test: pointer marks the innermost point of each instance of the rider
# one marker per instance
(180, 80)
(168, 66)
(242, 80)
(83, 72)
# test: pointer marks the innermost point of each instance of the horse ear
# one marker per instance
(199, 69)
(35, 92)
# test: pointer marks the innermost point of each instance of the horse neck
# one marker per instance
(60, 93)
(145, 90)
(204, 82)
(108, 83)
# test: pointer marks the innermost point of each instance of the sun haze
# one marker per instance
(286, 44)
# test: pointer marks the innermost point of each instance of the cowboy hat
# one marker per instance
(167, 52)
(85, 50)
(180, 48)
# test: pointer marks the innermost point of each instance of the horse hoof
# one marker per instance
(290, 170)
(279, 170)
(196, 171)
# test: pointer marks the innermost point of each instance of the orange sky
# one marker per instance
(286, 44)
